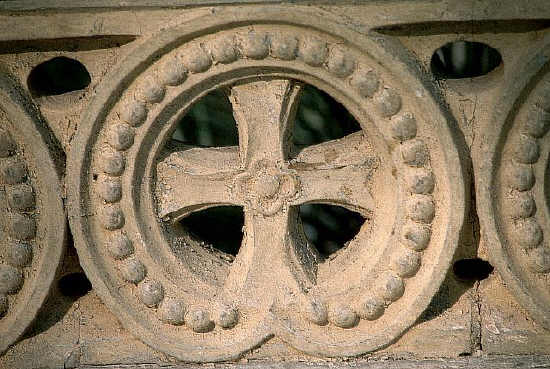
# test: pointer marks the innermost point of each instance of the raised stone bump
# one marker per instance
(539, 260)
(388, 102)
(133, 113)
(195, 59)
(132, 270)
(150, 90)
(520, 177)
(120, 246)
(4, 305)
(421, 209)
(313, 51)
(112, 217)
(21, 197)
(120, 136)
(538, 122)
(526, 150)
(416, 236)
(365, 81)
(420, 181)
(227, 317)
(284, 47)
(12, 171)
(405, 262)
(255, 45)
(340, 63)
(150, 293)
(110, 190)
(172, 311)
(11, 279)
(528, 233)
(171, 72)
(7, 145)
(414, 152)
(522, 205)
(371, 308)
(390, 287)
(343, 316)
(112, 162)
(22, 227)
(403, 127)
(223, 50)
(199, 321)
(19, 254)
(317, 312)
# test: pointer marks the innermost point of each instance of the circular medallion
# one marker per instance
(514, 187)
(32, 219)
(398, 172)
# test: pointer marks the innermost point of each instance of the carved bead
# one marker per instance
(150, 293)
(112, 217)
(120, 246)
(19, 254)
(4, 305)
(528, 233)
(11, 279)
(199, 321)
(7, 145)
(313, 51)
(172, 72)
(12, 171)
(112, 162)
(388, 102)
(366, 82)
(340, 63)
(420, 181)
(110, 190)
(133, 113)
(150, 91)
(133, 270)
(526, 150)
(416, 236)
(403, 127)
(120, 137)
(284, 47)
(539, 260)
(390, 287)
(227, 317)
(21, 197)
(172, 311)
(522, 205)
(371, 308)
(414, 152)
(405, 262)
(255, 45)
(223, 50)
(520, 177)
(537, 123)
(343, 316)
(196, 60)
(22, 227)
(317, 312)
(421, 209)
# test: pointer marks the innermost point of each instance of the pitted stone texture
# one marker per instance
(194, 305)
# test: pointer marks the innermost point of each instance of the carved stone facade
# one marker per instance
(442, 170)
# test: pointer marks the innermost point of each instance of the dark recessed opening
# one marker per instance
(74, 285)
(58, 76)
(219, 227)
(329, 227)
(209, 123)
(320, 118)
(472, 269)
(464, 59)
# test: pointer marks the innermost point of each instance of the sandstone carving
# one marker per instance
(32, 219)
(135, 184)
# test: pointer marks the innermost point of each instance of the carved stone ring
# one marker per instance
(401, 172)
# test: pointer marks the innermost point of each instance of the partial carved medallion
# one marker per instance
(32, 221)
(398, 172)
(514, 187)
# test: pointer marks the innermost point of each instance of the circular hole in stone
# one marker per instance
(58, 76)
(475, 269)
(464, 59)
(74, 285)
(328, 227)
(219, 228)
